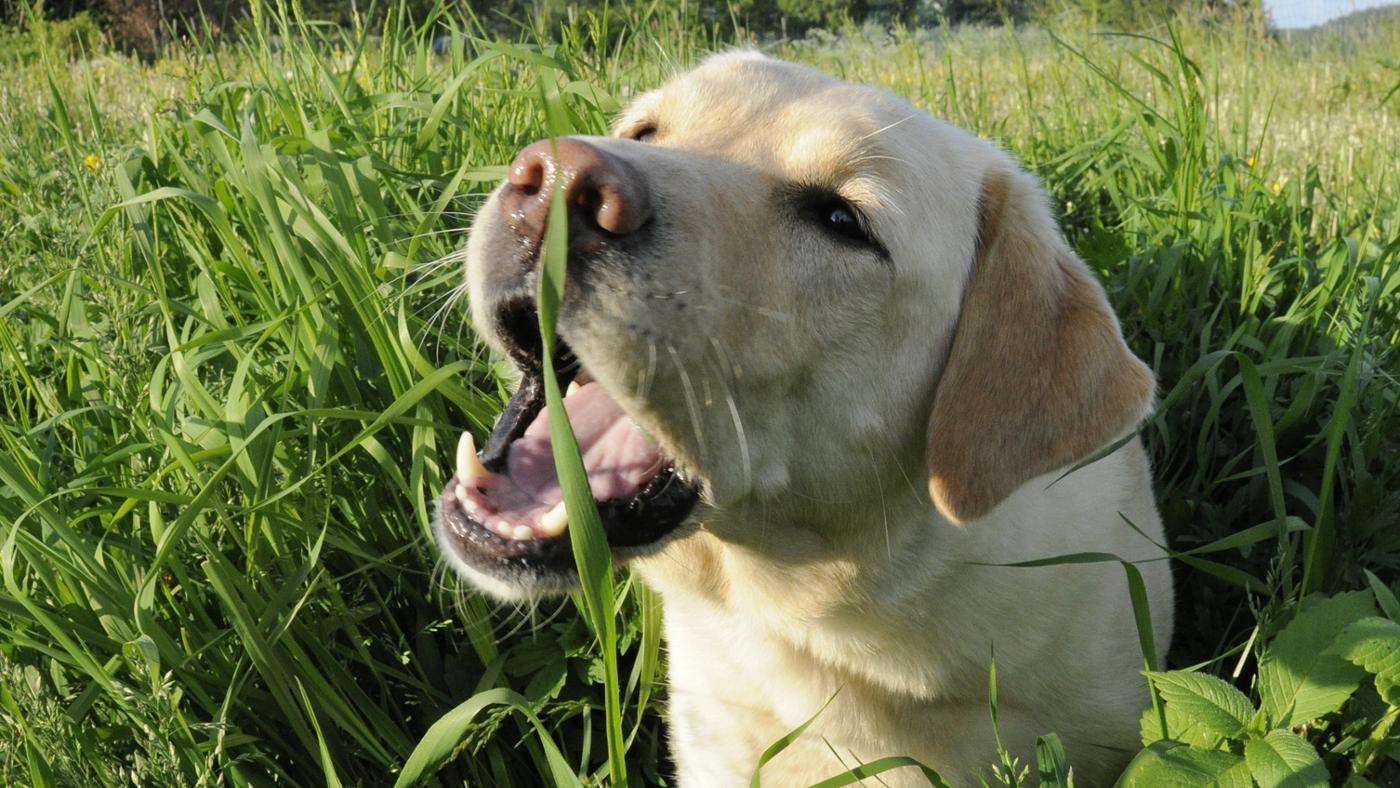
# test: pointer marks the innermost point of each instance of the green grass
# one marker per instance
(233, 365)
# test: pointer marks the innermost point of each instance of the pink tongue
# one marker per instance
(618, 457)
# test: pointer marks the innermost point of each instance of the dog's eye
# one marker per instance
(643, 133)
(838, 217)
(842, 220)
(820, 205)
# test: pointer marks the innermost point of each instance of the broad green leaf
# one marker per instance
(1298, 680)
(1180, 728)
(1212, 703)
(1171, 764)
(1374, 644)
(1283, 760)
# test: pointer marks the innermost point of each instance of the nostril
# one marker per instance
(605, 195)
(587, 202)
(528, 174)
(613, 212)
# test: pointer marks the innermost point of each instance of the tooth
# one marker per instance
(554, 521)
(522, 533)
(469, 467)
(461, 493)
(573, 386)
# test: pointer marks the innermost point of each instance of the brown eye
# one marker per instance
(643, 134)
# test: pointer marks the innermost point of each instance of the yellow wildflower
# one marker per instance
(1250, 161)
(1277, 187)
(92, 161)
(362, 79)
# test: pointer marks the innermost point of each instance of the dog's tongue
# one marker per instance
(523, 502)
(618, 457)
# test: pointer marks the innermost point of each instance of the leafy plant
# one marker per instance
(1308, 674)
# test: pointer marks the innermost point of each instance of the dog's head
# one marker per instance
(785, 295)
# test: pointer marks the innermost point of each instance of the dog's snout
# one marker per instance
(606, 196)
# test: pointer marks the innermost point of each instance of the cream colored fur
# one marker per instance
(822, 394)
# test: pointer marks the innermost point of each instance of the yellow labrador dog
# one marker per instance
(829, 356)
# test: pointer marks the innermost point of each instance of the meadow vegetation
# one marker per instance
(234, 361)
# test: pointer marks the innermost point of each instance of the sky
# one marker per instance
(1292, 14)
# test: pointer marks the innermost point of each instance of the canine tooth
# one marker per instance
(522, 533)
(554, 521)
(581, 379)
(469, 467)
(461, 493)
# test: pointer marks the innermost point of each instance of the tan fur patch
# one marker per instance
(1038, 375)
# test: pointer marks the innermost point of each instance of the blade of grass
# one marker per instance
(1142, 612)
(442, 739)
(776, 748)
(592, 556)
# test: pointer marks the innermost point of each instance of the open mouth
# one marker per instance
(503, 508)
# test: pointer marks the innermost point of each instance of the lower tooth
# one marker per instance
(522, 533)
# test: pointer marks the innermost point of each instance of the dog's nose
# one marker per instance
(605, 195)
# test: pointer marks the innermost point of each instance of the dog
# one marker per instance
(833, 367)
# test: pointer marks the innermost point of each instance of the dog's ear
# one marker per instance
(1038, 375)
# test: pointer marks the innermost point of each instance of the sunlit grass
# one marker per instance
(233, 363)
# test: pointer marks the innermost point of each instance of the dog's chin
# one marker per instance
(501, 522)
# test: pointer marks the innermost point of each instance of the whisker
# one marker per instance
(690, 404)
(879, 131)
(722, 359)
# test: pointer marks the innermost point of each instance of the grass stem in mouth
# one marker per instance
(592, 556)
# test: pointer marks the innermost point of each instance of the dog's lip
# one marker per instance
(630, 525)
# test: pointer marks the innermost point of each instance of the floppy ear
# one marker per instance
(1038, 375)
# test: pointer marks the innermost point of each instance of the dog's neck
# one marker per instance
(745, 563)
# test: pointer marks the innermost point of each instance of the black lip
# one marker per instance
(517, 323)
(630, 524)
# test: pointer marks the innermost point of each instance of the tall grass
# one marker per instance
(235, 362)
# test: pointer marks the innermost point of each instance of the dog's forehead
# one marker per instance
(781, 117)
